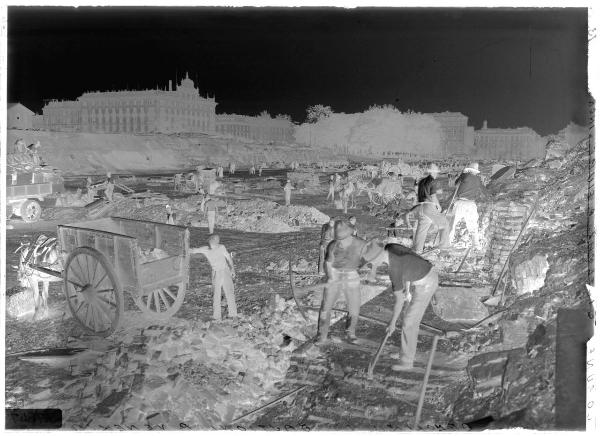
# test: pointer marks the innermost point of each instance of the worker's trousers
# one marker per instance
(222, 282)
(466, 210)
(421, 296)
(427, 215)
(322, 249)
(288, 198)
(211, 216)
(349, 282)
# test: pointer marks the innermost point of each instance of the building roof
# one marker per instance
(14, 105)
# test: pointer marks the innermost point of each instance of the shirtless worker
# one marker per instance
(223, 274)
(406, 268)
(345, 254)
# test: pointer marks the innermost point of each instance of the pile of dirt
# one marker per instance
(163, 373)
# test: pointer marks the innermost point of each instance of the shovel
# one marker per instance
(377, 354)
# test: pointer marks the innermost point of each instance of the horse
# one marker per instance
(42, 251)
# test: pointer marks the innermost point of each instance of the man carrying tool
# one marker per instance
(428, 210)
(345, 254)
(469, 189)
(406, 268)
(223, 274)
(326, 237)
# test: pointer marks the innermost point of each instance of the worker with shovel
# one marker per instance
(406, 268)
(469, 189)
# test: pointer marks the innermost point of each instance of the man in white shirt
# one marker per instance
(223, 274)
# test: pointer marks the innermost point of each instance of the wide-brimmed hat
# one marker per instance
(433, 168)
(342, 230)
(473, 167)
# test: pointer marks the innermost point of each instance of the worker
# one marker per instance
(110, 187)
(406, 268)
(326, 238)
(429, 210)
(470, 188)
(171, 216)
(260, 169)
(287, 190)
(252, 170)
(223, 273)
(331, 189)
(211, 207)
(352, 222)
(344, 255)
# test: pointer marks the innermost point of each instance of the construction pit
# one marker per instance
(493, 320)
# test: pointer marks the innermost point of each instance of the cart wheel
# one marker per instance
(163, 302)
(93, 292)
(31, 211)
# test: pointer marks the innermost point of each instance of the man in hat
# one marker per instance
(407, 268)
(470, 188)
(345, 255)
(428, 210)
(223, 274)
(287, 189)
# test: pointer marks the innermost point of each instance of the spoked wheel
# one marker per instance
(93, 291)
(163, 302)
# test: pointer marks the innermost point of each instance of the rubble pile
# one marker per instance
(199, 373)
(514, 375)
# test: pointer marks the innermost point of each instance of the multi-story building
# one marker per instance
(262, 128)
(147, 111)
(458, 137)
(522, 143)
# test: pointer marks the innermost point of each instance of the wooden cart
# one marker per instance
(103, 258)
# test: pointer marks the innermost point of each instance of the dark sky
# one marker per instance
(511, 67)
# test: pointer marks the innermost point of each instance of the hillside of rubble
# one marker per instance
(94, 153)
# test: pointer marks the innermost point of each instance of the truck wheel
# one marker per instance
(31, 211)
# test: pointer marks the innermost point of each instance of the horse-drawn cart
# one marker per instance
(106, 257)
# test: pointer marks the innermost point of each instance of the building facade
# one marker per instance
(458, 137)
(19, 117)
(182, 110)
(262, 128)
(522, 143)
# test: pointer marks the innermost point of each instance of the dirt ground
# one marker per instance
(254, 286)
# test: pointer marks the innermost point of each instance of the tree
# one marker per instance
(317, 112)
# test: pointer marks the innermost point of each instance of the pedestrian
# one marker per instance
(260, 170)
(110, 187)
(429, 210)
(407, 268)
(327, 231)
(223, 273)
(344, 256)
(171, 216)
(287, 190)
(211, 207)
(331, 189)
(470, 188)
(252, 170)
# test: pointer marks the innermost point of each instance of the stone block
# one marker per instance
(460, 305)
(530, 275)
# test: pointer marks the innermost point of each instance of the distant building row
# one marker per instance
(182, 110)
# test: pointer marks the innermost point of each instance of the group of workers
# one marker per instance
(428, 210)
